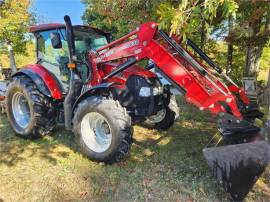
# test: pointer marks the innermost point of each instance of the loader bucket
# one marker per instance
(237, 167)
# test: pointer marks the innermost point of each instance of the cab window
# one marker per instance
(54, 60)
(88, 39)
(45, 50)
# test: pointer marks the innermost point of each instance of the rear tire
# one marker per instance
(103, 129)
(30, 113)
(165, 118)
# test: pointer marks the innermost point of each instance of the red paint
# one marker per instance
(48, 79)
(142, 43)
(43, 27)
(241, 92)
(108, 67)
(122, 48)
(96, 76)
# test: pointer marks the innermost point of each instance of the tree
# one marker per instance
(229, 48)
(201, 20)
(119, 16)
(185, 17)
(258, 24)
(14, 21)
(251, 32)
(244, 25)
(266, 128)
(268, 90)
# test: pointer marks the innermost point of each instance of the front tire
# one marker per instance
(103, 129)
(30, 113)
(165, 118)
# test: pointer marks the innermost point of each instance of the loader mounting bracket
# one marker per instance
(235, 129)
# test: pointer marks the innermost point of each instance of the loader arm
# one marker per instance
(199, 86)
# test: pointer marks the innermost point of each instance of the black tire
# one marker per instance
(118, 121)
(171, 114)
(42, 115)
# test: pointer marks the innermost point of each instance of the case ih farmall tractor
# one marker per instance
(95, 88)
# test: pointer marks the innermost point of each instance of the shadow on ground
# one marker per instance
(162, 166)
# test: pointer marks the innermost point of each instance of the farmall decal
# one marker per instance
(107, 54)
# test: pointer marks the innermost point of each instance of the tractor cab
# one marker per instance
(53, 54)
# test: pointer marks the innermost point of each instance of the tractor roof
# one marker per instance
(44, 27)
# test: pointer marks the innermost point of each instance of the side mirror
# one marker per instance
(56, 40)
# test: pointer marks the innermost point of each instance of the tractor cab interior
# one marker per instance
(52, 51)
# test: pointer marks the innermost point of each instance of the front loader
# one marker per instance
(98, 91)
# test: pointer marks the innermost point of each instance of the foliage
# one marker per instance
(185, 17)
(14, 21)
(251, 23)
(22, 59)
(119, 16)
(265, 59)
(29, 57)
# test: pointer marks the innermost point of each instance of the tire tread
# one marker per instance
(43, 109)
(123, 120)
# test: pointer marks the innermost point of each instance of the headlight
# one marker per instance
(146, 91)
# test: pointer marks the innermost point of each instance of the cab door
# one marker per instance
(54, 60)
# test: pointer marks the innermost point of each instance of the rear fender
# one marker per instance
(44, 81)
(100, 89)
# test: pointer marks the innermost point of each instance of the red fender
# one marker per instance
(48, 79)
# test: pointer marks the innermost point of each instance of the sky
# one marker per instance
(54, 10)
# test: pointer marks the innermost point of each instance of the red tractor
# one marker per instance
(67, 86)
(94, 87)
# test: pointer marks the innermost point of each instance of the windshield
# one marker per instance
(88, 39)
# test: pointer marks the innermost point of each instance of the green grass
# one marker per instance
(162, 166)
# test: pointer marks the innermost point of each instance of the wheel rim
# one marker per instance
(157, 117)
(21, 110)
(96, 132)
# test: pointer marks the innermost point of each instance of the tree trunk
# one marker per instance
(229, 58)
(12, 62)
(202, 33)
(253, 60)
(230, 48)
(267, 124)
(254, 53)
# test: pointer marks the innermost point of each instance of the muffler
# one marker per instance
(238, 167)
